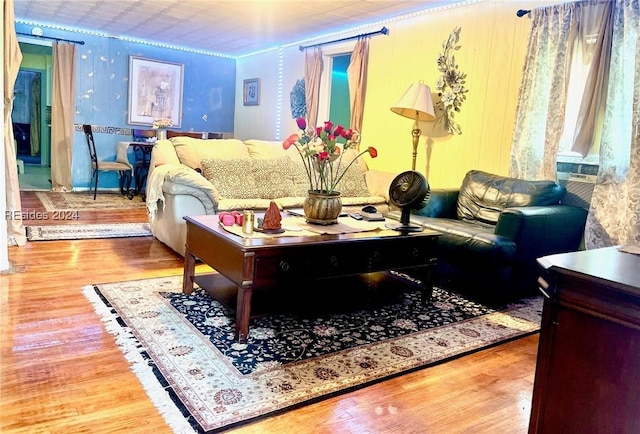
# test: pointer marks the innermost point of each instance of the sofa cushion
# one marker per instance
(484, 195)
(472, 242)
(230, 177)
(192, 151)
(265, 149)
(273, 177)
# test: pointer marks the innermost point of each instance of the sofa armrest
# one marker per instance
(442, 204)
(178, 179)
(543, 230)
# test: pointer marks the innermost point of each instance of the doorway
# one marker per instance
(31, 117)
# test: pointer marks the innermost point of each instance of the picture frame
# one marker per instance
(251, 91)
(155, 91)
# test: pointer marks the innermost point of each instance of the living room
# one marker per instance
(82, 379)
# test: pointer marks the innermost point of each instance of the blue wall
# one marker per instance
(102, 87)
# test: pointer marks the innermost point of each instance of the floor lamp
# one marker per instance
(416, 104)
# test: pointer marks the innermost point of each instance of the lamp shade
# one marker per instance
(416, 103)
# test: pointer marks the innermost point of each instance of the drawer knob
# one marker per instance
(284, 266)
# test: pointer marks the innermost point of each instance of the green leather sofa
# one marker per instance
(493, 229)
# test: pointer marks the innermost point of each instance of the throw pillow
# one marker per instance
(273, 177)
(231, 177)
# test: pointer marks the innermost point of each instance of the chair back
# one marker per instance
(143, 135)
(91, 144)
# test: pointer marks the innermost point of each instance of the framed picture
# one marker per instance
(155, 91)
(251, 94)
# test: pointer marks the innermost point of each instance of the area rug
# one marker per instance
(89, 231)
(55, 201)
(183, 350)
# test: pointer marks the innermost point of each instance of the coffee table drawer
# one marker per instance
(347, 258)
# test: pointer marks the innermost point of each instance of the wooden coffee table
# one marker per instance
(259, 263)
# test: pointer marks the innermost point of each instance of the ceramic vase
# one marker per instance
(322, 208)
(161, 134)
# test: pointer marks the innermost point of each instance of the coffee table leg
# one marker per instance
(188, 273)
(243, 313)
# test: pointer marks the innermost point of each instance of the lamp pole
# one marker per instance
(416, 138)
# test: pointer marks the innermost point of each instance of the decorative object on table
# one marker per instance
(161, 125)
(416, 104)
(450, 86)
(187, 348)
(408, 191)
(155, 91)
(251, 92)
(272, 219)
(297, 100)
(321, 150)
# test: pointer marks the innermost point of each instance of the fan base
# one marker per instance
(404, 228)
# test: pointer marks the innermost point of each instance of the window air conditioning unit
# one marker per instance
(578, 177)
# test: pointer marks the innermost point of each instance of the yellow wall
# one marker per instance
(493, 45)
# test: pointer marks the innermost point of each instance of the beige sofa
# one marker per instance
(189, 176)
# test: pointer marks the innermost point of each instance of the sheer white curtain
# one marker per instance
(614, 217)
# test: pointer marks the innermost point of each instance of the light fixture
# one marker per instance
(416, 104)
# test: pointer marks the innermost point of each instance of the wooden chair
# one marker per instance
(97, 166)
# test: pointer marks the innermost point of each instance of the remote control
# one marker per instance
(355, 215)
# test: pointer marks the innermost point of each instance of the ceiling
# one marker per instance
(228, 27)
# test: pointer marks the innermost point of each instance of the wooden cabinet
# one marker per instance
(588, 367)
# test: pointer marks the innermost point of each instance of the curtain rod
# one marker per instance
(522, 12)
(382, 31)
(51, 38)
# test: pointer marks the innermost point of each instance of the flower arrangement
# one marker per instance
(321, 155)
(162, 123)
(450, 86)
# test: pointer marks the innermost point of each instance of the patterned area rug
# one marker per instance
(183, 350)
(55, 201)
(91, 231)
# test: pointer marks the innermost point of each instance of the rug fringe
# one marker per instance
(129, 346)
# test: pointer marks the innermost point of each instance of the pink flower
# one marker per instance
(302, 123)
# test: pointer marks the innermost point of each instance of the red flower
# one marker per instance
(327, 126)
(318, 131)
(302, 123)
(372, 152)
(323, 155)
(338, 131)
(293, 138)
(347, 134)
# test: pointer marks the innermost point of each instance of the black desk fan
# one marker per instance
(408, 191)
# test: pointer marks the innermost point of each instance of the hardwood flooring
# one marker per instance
(61, 372)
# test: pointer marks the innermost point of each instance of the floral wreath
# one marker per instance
(450, 85)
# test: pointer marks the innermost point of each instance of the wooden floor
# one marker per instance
(61, 372)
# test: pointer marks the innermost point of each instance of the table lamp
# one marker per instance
(416, 104)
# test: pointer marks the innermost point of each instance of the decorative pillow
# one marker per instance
(353, 182)
(273, 177)
(267, 149)
(192, 151)
(231, 177)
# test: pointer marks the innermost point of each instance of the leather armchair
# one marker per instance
(493, 229)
